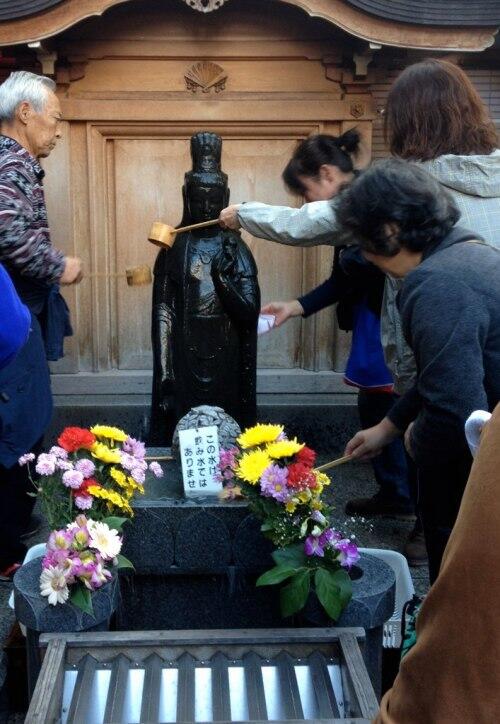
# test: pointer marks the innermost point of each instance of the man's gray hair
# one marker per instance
(23, 86)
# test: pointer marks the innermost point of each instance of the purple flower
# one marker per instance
(60, 540)
(46, 464)
(227, 458)
(273, 483)
(313, 546)
(128, 461)
(348, 552)
(59, 452)
(318, 517)
(330, 537)
(26, 458)
(64, 465)
(86, 467)
(134, 447)
(156, 469)
(72, 479)
(83, 502)
(138, 475)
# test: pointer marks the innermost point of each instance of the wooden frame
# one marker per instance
(355, 22)
(155, 650)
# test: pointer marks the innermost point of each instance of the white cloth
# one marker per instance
(474, 427)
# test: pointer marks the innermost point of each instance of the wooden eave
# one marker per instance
(354, 22)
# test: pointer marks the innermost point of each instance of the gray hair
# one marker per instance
(23, 86)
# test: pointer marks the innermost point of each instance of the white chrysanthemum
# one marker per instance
(54, 585)
(104, 539)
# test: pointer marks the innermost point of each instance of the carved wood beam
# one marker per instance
(352, 21)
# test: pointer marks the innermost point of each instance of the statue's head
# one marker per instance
(205, 188)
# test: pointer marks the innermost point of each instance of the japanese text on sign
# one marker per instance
(199, 457)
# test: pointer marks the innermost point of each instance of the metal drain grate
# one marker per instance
(214, 676)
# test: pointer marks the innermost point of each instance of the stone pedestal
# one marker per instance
(197, 561)
(35, 612)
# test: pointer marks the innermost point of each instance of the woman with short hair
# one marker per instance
(449, 303)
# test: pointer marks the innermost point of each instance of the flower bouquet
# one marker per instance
(98, 469)
(277, 477)
(79, 560)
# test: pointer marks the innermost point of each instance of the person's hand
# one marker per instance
(369, 443)
(408, 446)
(228, 218)
(72, 273)
(283, 310)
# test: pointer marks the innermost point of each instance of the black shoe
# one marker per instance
(415, 550)
(379, 506)
(34, 525)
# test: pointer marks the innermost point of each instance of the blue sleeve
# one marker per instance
(15, 320)
(320, 297)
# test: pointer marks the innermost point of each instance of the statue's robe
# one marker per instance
(204, 331)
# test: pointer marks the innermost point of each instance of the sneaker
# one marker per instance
(379, 506)
(34, 525)
(8, 573)
(415, 551)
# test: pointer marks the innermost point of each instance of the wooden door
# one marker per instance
(142, 179)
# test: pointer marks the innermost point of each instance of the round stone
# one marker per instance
(207, 416)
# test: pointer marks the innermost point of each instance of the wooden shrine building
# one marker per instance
(137, 77)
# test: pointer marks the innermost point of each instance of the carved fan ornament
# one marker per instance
(205, 6)
(204, 76)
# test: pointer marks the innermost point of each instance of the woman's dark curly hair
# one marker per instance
(433, 109)
(401, 193)
(317, 151)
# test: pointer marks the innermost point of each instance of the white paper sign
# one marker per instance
(199, 457)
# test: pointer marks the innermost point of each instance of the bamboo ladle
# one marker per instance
(334, 463)
(136, 276)
(163, 235)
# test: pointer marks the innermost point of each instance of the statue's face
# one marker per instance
(205, 202)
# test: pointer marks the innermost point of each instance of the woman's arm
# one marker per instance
(312, 224)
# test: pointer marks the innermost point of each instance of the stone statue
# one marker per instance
(206, 303)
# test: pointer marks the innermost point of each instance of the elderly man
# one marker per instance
(450, 310)
(30, 118)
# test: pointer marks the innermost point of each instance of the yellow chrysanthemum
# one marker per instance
(304, 496)
(258, 435)
(290, 507)
(119, 477)
(284, 448)
(322, 479)
(111, 496)
(316, 504)
(252, 465)
(111, 433)
(104, 453)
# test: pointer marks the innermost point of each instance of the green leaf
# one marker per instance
(266, 526)
(343, 581)
(333, 591)
(124, 562)
(275, 575)
(81, 598)
(114, 522)
(290, 556)
(293, 597)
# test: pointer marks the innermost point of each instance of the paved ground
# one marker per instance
(348, 481)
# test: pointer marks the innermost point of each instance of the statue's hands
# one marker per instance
(228, 217)
(283, 311)
(224, 264)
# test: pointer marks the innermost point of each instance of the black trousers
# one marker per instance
(390, 468)
(440, 491)
(16, 507)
